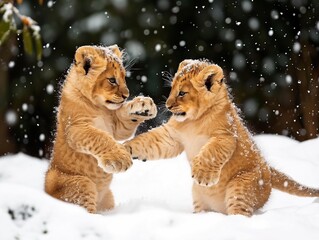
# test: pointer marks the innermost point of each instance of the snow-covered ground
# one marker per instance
(153, 201)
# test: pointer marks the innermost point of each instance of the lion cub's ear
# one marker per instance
(208, 76)
(115, 49)
(84, 57)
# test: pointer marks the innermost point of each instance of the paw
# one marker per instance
(135, 154)
(204, 174)
(118, 160)
(142, 108)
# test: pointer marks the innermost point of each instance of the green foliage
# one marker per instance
(27, 40)
(4, 31)
(38, 45)
(32, 43)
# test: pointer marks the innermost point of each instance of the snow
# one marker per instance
(158, 47)
(182, 43)
(11, 64)
(8, 11)
(49, 89)
(11, 117)
(153, 201)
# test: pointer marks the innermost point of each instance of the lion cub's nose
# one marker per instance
(169, 103)
(125, 94)
(169, 107)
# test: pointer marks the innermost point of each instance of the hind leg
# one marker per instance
(107, 201)
(79, 190)
(198, 203)
(246, 193)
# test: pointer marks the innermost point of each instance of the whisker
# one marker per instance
(161, 104)
(164, 112)
(165, 98)
(125, 55)
(133, 69)
(167, 77)
(162, 107)
(128, 63)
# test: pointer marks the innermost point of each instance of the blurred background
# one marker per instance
(268, 49)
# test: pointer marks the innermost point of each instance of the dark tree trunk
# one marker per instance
(7, 144)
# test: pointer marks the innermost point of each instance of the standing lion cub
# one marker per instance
(229, 172)
(92, 116)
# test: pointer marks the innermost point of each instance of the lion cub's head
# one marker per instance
(197, 86)
(101, 75)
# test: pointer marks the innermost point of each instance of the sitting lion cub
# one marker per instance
(92, 116)
(229, 172)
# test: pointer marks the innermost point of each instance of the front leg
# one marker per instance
(160, 142)
(111, 156)
(207, 165)
(131, 114)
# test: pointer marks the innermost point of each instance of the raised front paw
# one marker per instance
(130, 147)
(142, 108)
(204, 173)
(115, 161)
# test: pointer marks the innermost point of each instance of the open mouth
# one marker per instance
(180, 114)
(111, 102)
(113, 105)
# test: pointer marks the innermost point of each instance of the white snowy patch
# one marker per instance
(49, 89)
(11, 117)
(154, 201)
(135, 49)
(285, 184)
(296, 47)
(7, 10)
(288, 79)
(50, 4)
(11, 64)
(158, 47)
(143, 79)
(42, 137)
(270, 32)
(230, 119)
(182, 43)
(24, 107)
(92, 24)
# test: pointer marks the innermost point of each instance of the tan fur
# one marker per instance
(92, 116)
(229, 172)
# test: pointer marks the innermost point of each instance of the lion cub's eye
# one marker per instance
(181, 94)
(112, 80)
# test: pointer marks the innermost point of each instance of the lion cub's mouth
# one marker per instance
(113, 105)
(111, 102)
(179, 114)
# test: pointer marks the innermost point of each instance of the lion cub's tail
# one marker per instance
(284, 183)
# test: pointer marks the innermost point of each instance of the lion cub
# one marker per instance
(229, 172)
(92, 116)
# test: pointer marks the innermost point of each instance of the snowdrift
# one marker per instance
(153, 201)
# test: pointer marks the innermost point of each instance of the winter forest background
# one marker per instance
(268, 49)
